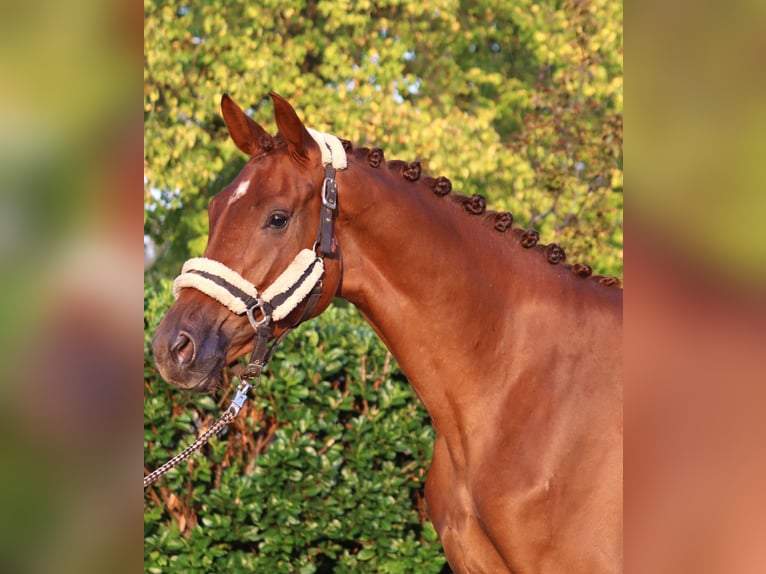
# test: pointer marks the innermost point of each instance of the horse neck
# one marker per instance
(433, 281)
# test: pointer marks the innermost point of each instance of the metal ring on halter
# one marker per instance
(331, 186)
(260, 305)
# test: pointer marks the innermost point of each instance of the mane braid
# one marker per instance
(477, 205)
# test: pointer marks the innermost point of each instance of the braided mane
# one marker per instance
(477, 205)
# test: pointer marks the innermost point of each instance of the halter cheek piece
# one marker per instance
(300, 281)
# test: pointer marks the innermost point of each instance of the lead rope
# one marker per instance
(203, 439)
(258, 360)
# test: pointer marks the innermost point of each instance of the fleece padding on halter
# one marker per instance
(332, 149)
(235, 292)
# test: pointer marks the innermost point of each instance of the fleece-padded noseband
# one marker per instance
(237, 293)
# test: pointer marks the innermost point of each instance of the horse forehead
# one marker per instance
(263, 178)
(241, 189)
(241, 184)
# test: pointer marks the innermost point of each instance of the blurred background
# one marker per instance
(70, 286)
(695, 314)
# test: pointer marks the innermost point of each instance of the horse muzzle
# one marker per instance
(189, 357)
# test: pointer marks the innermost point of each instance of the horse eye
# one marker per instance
(278, 220)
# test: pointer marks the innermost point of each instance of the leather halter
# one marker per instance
(300, 281)
(328, 247)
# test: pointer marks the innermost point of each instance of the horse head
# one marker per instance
(261, 257)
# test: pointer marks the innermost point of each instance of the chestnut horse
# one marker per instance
(515, 354)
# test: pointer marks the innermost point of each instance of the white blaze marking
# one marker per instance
(240, 191)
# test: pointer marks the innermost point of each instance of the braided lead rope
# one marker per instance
(231, 413)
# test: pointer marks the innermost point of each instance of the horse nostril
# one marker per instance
(182, 349)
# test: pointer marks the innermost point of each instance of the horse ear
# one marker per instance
(299, 142)
(246, 133)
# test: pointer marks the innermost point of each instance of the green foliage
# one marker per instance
(322, 471)
(520, 102)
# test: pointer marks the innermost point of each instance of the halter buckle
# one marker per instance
(260, 305)
(330, 193)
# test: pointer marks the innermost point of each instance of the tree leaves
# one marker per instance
(481, 92)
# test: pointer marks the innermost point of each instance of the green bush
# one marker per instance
(323, 471)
